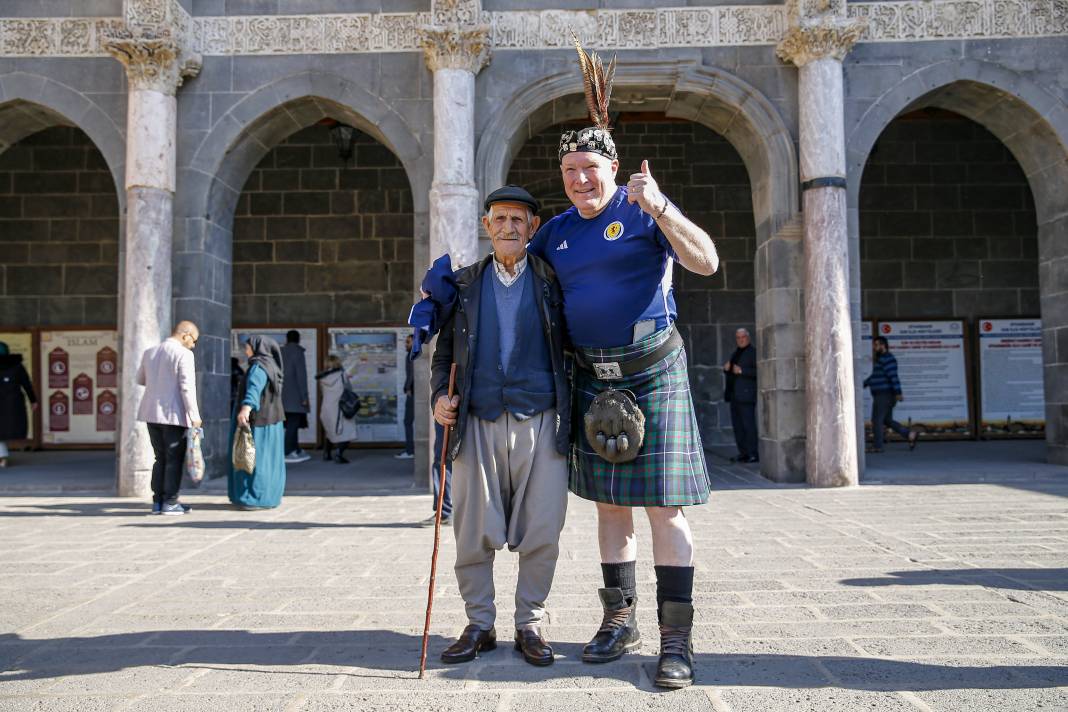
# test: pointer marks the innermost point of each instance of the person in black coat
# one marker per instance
(741, 393)
(15, 386)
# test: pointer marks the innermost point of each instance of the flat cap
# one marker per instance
(513, 194)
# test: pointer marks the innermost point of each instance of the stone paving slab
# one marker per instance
(889, 597)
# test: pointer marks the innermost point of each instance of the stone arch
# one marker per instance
(752, 124)
(210, 183)
(32, 102)
(1033, 124)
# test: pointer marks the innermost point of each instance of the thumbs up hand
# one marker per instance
(643, 190)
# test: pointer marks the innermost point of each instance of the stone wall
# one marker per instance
(947, 224)
(703, 174)
(319, 242)
(59, 233)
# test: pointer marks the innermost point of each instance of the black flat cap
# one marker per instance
(512, 194)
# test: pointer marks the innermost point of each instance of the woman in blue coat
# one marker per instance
(261, 409)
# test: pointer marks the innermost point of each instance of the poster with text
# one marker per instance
(931, 367)
(72, 394)
(21, 343)
(1012, 400)
(309, 341)
(373, 359)
(867, 333)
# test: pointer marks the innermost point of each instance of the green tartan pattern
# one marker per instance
(670, 470)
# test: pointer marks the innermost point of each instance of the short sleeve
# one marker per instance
(536, 246)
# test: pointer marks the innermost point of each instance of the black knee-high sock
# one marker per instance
(673, 583)
(620, 576)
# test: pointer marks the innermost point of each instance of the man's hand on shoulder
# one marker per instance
(643, 190)
(445, 410)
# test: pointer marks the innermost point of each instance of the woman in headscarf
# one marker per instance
(260, 408)
(340, 431)
(14, 382)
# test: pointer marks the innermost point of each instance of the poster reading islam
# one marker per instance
(80, 391)
(931, 367)
(21, 343)
(1012, 401)
(373, 359)
(309, 341)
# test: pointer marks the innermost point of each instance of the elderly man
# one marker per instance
(741, 393)
(510, 417)
(613, 252)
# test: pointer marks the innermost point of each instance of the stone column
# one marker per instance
(153, 74)
(817, 42)
(455, 54)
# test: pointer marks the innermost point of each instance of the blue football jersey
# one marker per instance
(614, 269)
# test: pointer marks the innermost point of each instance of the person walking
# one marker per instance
(295, 396)
(885, 394)
(435, 478)
(260, 409)
(409, 404)
(15, 388)
(339, 430)
(169, 408)
(741, 393)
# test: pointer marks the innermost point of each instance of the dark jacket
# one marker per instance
(14, 382)
(883, 378)
(742, 387)
(294, 379)
(456, 344)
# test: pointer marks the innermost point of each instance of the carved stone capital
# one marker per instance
(153, 59)
(828, 36)
(457, 47)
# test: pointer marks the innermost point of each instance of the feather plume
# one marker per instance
(597, 83)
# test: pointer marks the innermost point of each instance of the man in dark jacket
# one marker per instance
(294, 395)
(741, 393)
(409, 404)
(14, 382)
(885, 394)
(510, 416)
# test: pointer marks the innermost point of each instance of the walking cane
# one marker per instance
(437, 534)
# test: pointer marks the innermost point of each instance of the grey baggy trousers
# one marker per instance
(509, 487)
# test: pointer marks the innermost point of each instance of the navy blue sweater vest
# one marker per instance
(527, 387)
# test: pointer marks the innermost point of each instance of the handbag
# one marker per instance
(244, 453)
(349, 403)
(194, 458)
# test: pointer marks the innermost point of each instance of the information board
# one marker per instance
(1012, 400)
(79, 387)
(373, 359)
(932, 369)
(309, 341)
(21, 343)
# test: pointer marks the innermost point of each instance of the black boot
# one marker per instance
(618, 633)
(675, 667)
(328, 453)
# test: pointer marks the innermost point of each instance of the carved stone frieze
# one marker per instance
(738, 25)
(456, 47)
(153, 59)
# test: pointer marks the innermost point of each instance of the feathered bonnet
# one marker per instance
(598, 86)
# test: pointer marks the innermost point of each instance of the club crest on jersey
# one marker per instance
(613, 231)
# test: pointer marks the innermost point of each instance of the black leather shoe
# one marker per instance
(675, 667)
(536, 650)
(470, 643)
(618, 633)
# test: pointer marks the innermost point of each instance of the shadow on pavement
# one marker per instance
(1018, 579)
(184, 523)
(390, 651)
(115, 508)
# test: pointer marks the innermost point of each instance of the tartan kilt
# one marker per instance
(670, 469)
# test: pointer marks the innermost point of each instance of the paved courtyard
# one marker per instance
(884, 597)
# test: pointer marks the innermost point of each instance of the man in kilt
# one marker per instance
(613, 252)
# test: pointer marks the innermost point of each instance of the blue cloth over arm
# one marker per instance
(257, 381)
(428, 315)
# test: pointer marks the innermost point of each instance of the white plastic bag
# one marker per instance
(194, 458)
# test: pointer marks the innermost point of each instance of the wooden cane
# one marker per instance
(437, 533)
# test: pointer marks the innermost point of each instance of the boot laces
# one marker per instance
(675, 640)
(615, 619)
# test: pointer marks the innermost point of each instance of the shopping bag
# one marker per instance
(244, 455)
(194, 458)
